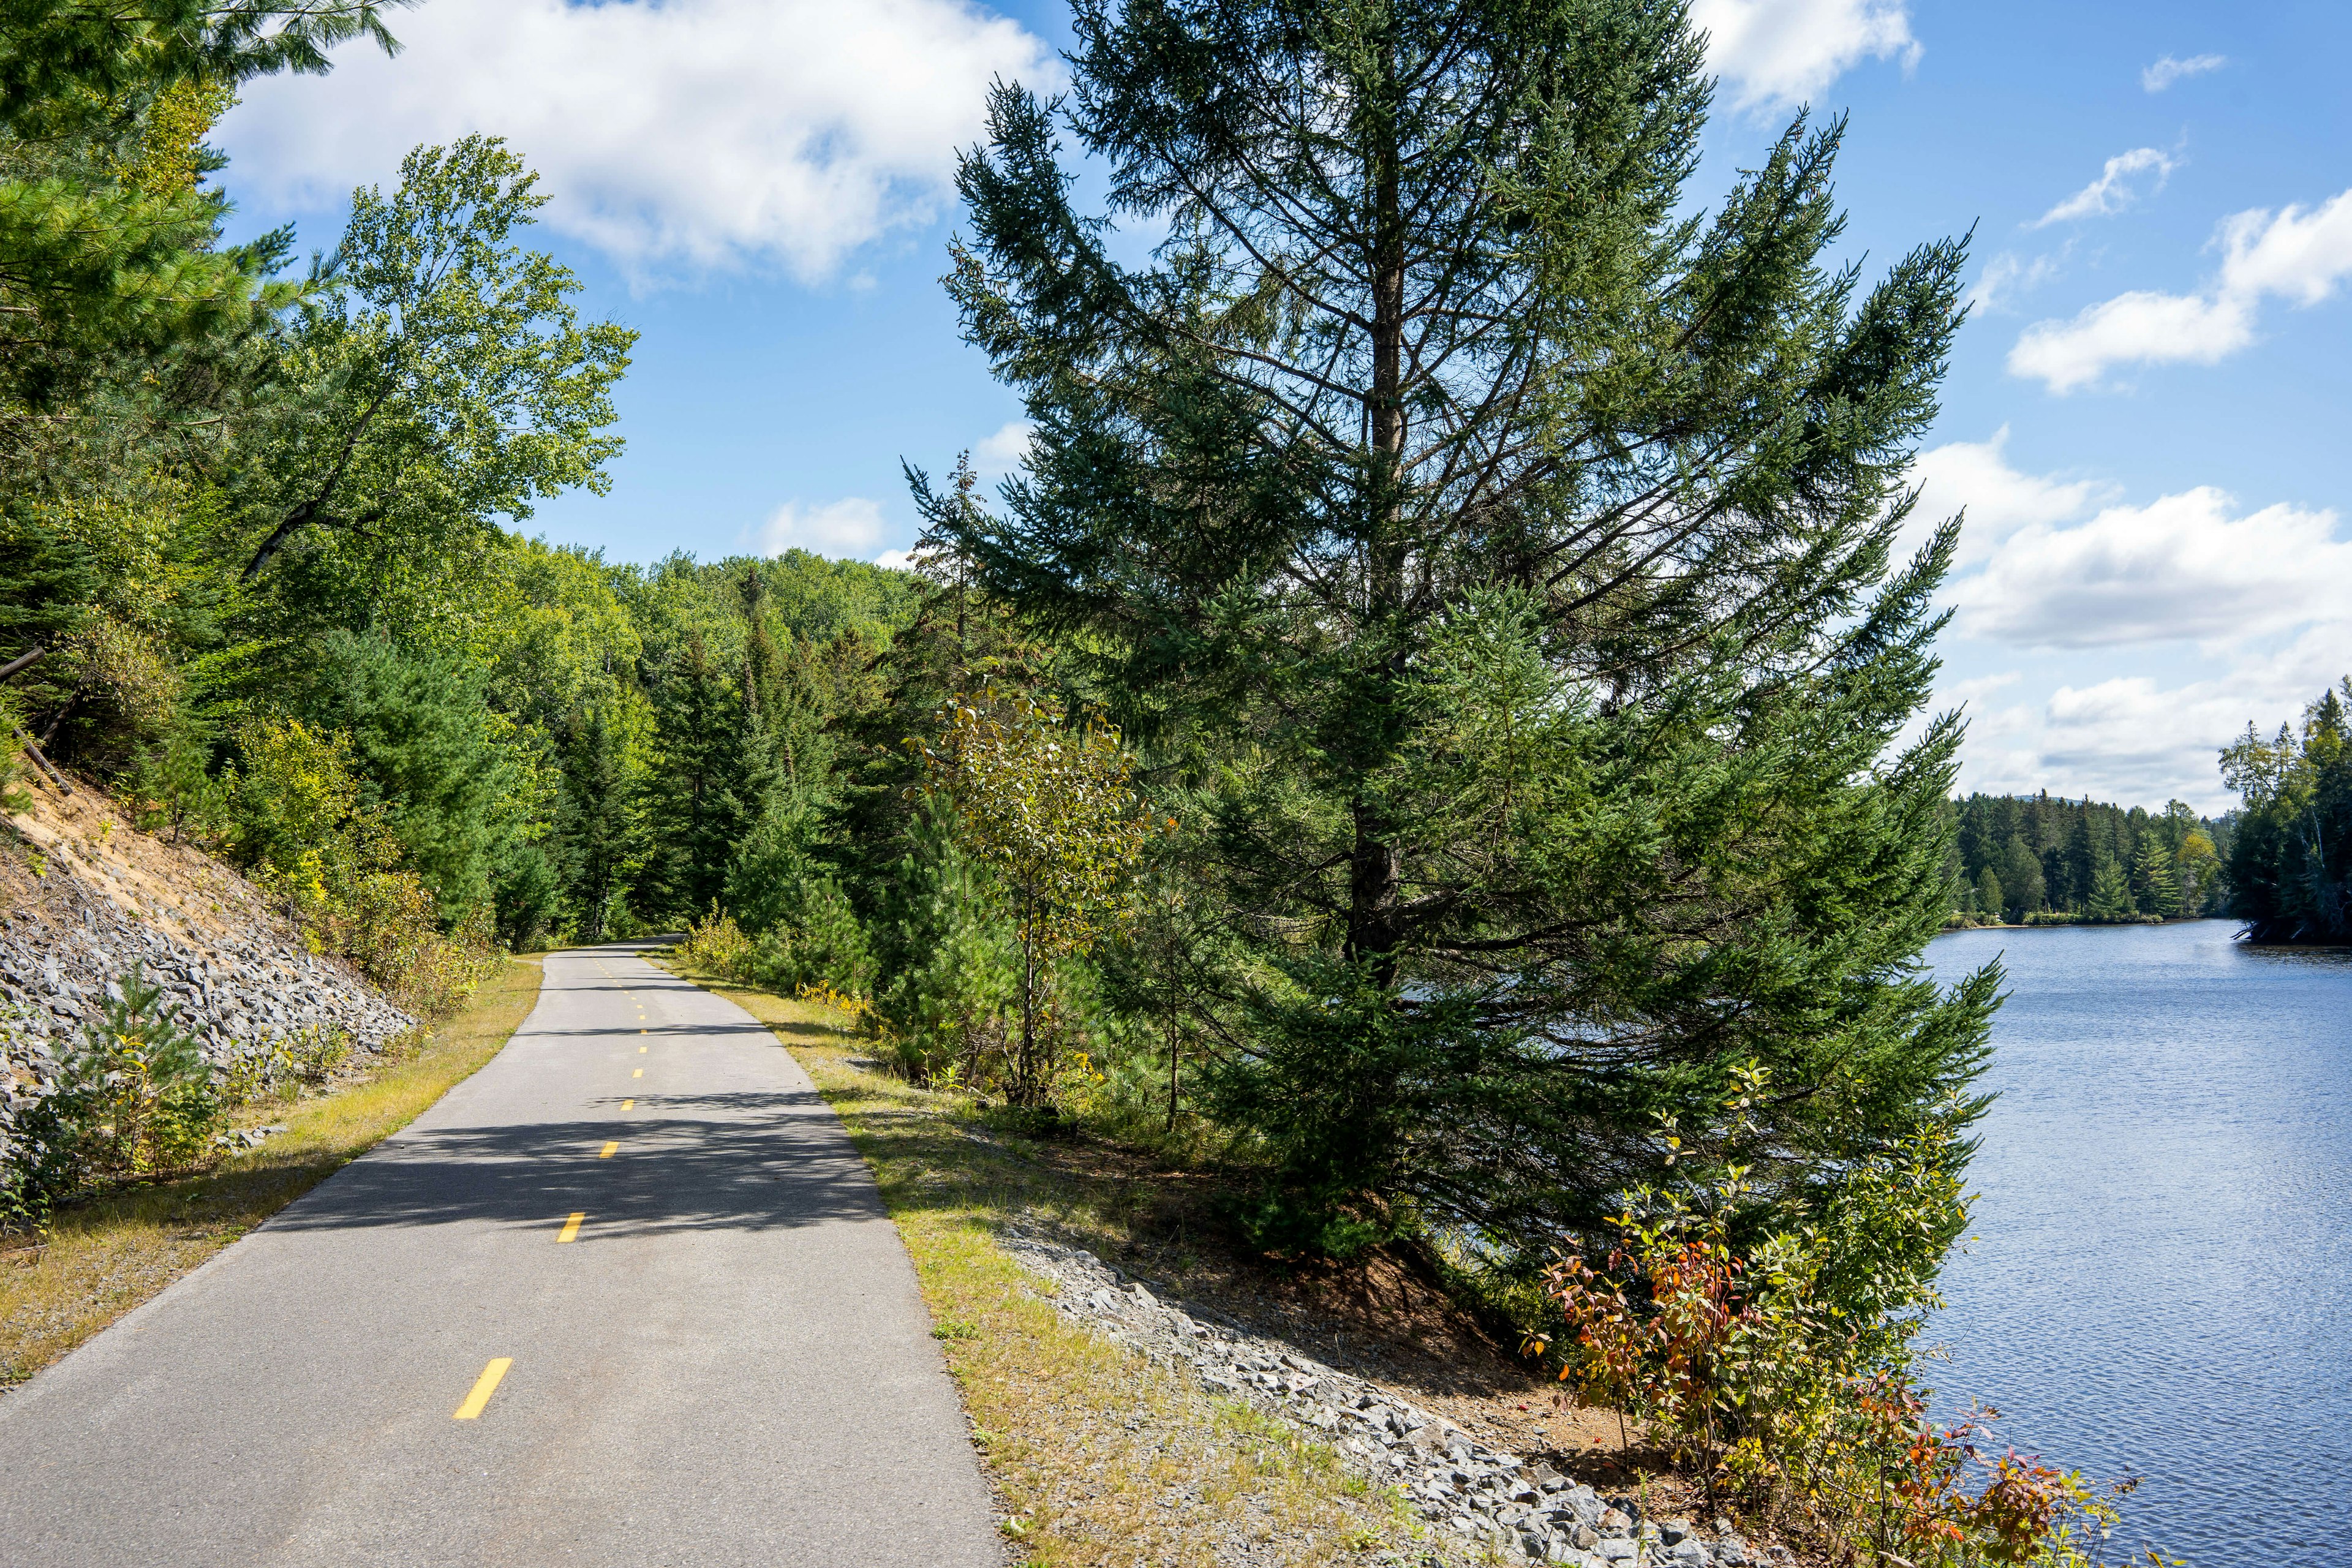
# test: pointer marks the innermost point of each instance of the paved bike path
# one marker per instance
(727, 1361)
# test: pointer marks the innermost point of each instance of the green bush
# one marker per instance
(951, 956)
(1772, 1357)
(283, 1065)
(134, 1097)
(298, 821)
(804, 931)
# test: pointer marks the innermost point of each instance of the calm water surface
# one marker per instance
(2161, 1274)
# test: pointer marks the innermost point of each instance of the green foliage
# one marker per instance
(600, 822)
(448, 379)
(1530, 660)
(55, 54)
(1991, 903)
(2110, 900)
(1774, 1359)
(2047, 856)
(1046, 804)
(2290, 862)
(427, 760)
(949, 954)
(110, 273)
(708, 794)
(134, 1096)
(805, 933)
(2155, 879)
(299, 822)
(282, 1065)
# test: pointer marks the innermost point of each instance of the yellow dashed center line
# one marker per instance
(571, 1227)
(488, 1383)
(639, 1073)
(609, 1150)
(629, 1105)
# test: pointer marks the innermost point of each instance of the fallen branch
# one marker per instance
(22, 661)
(42, 762)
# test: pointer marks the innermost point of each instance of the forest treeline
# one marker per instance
(2290, 864)
(1422, 736)
(2030, 858)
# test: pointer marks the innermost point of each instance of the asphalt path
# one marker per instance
(626, 1296)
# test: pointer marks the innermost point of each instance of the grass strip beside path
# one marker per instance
(1097, 1455)
(106, 1256)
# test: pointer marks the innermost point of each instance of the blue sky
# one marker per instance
(2143, 418)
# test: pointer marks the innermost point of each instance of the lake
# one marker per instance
(2160, 1278)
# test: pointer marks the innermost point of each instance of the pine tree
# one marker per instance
(2156, 879)
(2109, 900)
(1988, 895)
(701, 788)
(600, 818)
(1509, 556)
(2021, 877)
(947, 945)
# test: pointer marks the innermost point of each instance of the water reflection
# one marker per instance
(2157, 1282)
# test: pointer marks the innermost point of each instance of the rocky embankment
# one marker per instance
(1522, 1509)
(245, 989)
(84, 899)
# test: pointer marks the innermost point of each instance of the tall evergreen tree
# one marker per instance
(1990, 900)
(2110, 897)
(702, 786)
(2156, 879)
(599, 821)
(1508, 556)
(2020, 875)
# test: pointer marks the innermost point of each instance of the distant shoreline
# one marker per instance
(2085, 925)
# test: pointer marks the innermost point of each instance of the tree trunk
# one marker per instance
(1175, 1047)
(1376, 867)
(1025, 1076)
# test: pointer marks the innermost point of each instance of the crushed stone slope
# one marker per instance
(85, 897)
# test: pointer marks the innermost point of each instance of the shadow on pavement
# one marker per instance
(686, 1163)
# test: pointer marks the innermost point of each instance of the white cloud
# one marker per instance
(2134, 739)
(2138, 328)
(2296, 254)
(2167, 70)
(1785, 51)
(684, 134)
(1999, 500)
(1002, 452)
(2109, 599)
(2006, 276)
(850, 527)
(896, 560)
(2115, 189)
(2184, 567)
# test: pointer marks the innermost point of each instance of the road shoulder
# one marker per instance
(1096, 1455)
